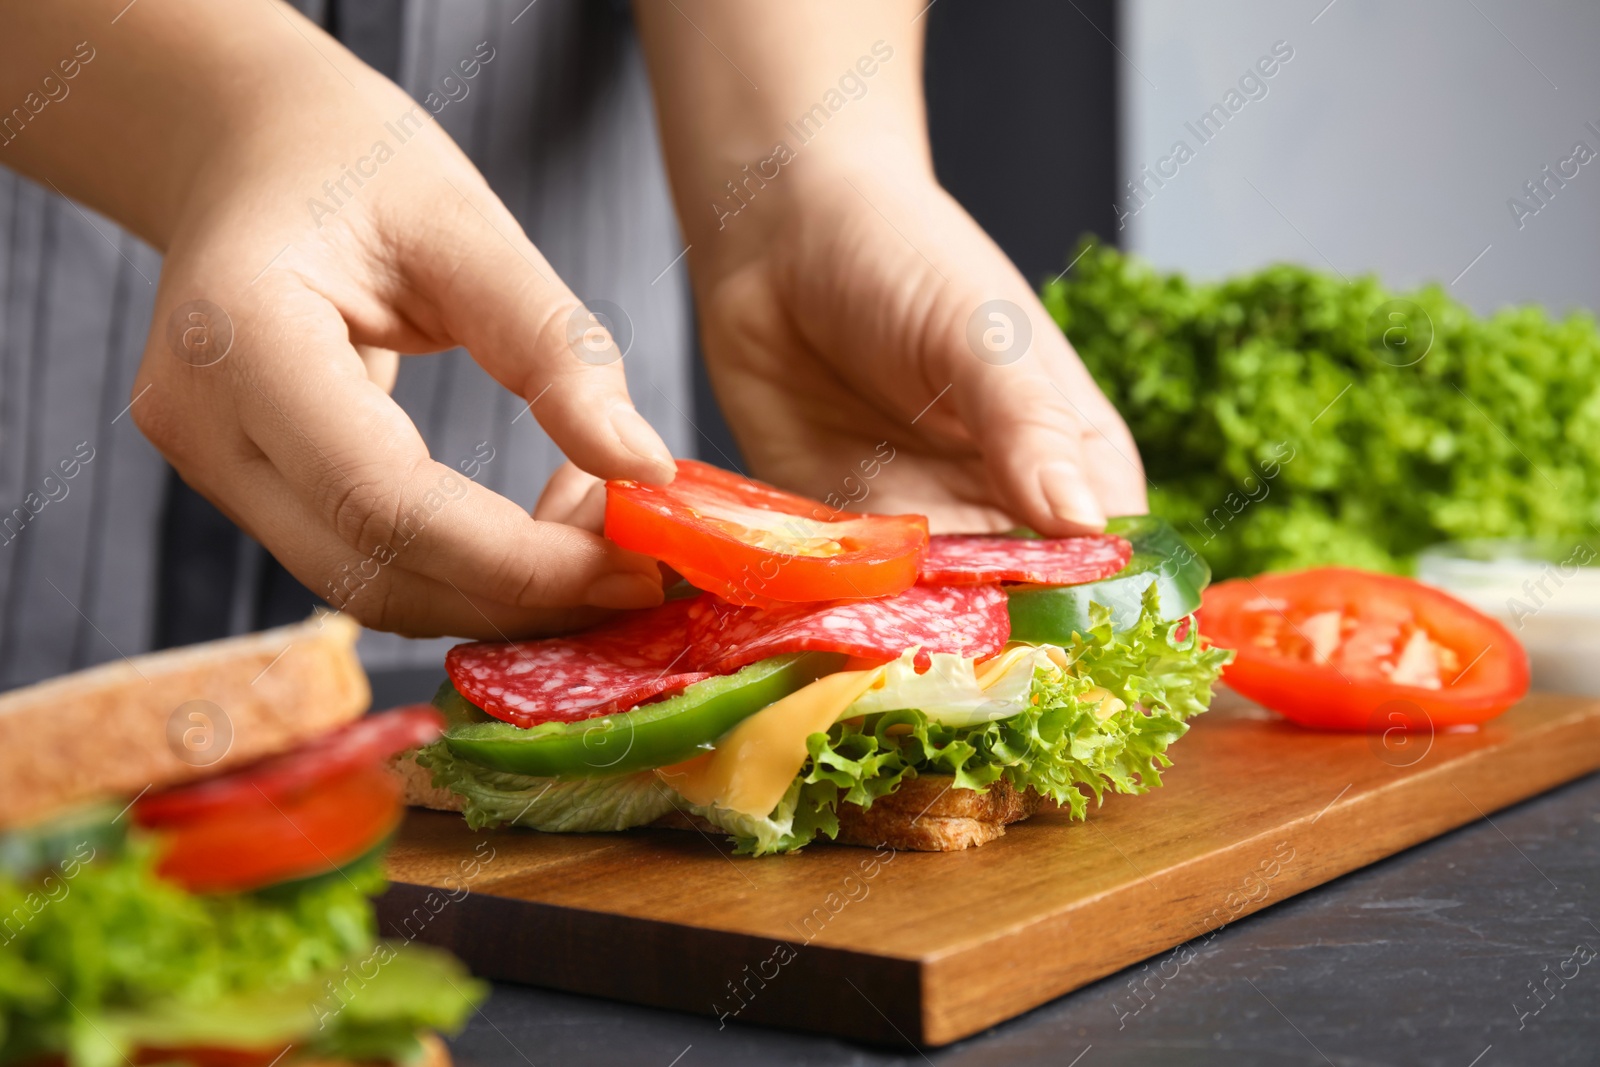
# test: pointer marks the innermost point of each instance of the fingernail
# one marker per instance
(1069, 497)
(640, 438)
(623, 591)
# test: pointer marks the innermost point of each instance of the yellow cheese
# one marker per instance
(753, 766)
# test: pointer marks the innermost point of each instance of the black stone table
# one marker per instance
(1478, 949)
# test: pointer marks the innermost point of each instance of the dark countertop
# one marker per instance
(1423, 959)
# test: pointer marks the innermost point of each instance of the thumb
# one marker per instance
(1031, 433)
(500, 298)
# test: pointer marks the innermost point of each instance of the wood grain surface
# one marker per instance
(932, 947)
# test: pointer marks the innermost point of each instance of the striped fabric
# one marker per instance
(559, 121)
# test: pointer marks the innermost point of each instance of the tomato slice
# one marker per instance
(258, 846)
(749, 543)
(281, 779)
(290, 816)
(1334, 648)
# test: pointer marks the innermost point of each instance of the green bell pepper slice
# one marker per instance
(655, 735)
(1050, 614)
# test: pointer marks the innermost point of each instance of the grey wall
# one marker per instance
(1389, 143)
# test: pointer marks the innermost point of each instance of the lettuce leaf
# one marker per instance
(561, 805)
(1066, 746)
(370, 1008)
(98, 956)
(800, 816)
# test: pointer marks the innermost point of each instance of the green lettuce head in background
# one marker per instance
(1288, 418)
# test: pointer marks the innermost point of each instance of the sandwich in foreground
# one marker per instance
(833, 675)
(188, 844)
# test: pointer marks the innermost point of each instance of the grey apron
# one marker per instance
(101, 554)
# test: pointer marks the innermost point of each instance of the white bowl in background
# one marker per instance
(1548, 595)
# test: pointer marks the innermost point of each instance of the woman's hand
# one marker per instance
(850, 309)
(868, 307)
(316, 223)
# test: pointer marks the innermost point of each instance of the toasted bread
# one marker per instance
(924, 815)
(927, 815)
(115, 730)
(420, 792)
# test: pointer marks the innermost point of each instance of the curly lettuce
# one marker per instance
(100, 957)
(1072, 743)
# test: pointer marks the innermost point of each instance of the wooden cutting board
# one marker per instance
(887, 946)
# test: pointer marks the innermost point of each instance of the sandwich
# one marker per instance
(189, 842)
(826, 674)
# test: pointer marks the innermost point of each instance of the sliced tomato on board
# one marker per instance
(291, 816)
(1345, 649)
(749, 543)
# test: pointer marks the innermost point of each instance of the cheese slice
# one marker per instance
(752, 766)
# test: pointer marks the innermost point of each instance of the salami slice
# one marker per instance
(565, 679)
(972, 559)
(967, 620)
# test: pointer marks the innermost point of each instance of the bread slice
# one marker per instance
(419, 790)
(924, 815)
(927, 814)
(115, 730)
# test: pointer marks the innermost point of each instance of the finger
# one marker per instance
(356, 460)
(573, 497)
(527, 329)
(382, 364)
(1116, 477)
(1111, 457)
(1031, 441)
(377, 591)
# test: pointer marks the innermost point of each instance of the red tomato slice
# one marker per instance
(257, 846)
(749, 543)
(281, 779)
(1333, 648)
(290, 816)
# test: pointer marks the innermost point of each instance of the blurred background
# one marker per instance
(1390, 143)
